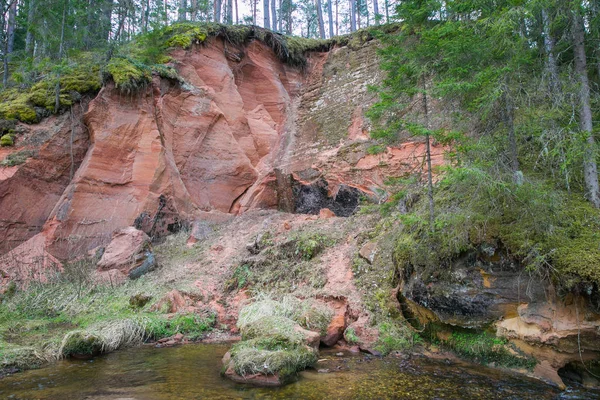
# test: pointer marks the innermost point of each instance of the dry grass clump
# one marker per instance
(308, 313)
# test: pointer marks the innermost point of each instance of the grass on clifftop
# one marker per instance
(31, 93)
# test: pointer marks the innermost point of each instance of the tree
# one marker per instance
(266, 13)
(590, 169)
(319, 7)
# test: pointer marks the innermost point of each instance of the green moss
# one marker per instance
(486, 348)
(394, 336)
(184, 35)
(193, 326)
(17, 105)
(6, 140)
(81, 343)
(129, 76)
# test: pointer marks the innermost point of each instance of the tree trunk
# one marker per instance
(217, 10)
(274, 15)
(387, 11)
(254, 5)
(551, 65)
(182, 12)
(428, 155)
(11, 27)
(319, 7)
(337, 25)
(194, 10)
(30, 23)
(60, 56)
(509, 112)
(352, 15)
(590, 169)
(237, 16)
(376, 12)
(330, 17)
(266, 17)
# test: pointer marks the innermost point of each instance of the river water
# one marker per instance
(193, 372)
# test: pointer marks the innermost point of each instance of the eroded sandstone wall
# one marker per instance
(235, 136)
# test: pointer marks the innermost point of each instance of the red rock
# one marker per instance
(129, 251)
(325, 213)
(178, 337)
(368, 252)
(335, 330)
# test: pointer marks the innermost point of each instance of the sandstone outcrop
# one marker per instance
(129, 252)
(483, 290)
(239, 134)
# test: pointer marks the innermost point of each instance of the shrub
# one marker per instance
(6, 140)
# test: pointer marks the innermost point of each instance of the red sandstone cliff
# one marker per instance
(233, 137)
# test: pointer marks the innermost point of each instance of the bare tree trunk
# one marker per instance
(387, 11)
(194, 10)
(182, 12)
(60, 56)
(230, 12)
(590, 168)
(428, 155)
(274, 15)
(337, 25)
(30, 23)
(509, 111)
(330, 17)
(266, 15)
(357, 12)
(217, 10)
(319, 7)
(352, 15)
(376, 11)
(254, 4)
(9, 39)
(551, 65)
(237, 16)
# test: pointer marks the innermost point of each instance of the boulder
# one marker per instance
(130, 252)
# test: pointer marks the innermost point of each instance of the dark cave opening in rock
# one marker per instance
(310, 199)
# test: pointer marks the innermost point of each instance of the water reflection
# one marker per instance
(192, 372)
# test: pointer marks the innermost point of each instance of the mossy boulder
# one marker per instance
(268, 361)
(281, 327)
(79, 344)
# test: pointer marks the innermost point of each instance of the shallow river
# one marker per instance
(192, 372)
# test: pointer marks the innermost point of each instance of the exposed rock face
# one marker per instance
(129, 252)
(483, 290)
(238, 135)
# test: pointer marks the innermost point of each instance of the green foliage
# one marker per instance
(350, 336)
(550, 232)
(309, 245)
(486, 348)
(395, 337)
(129, 76)
(17, 105)
(193, 326)
(6, 140)
(240, 278)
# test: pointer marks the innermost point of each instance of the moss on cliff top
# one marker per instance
(79, 76)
